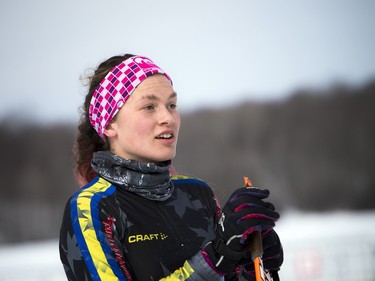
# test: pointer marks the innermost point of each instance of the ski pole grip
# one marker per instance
(255, 245)
(255, 238)
(256, 249)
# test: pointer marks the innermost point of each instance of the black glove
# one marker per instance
(244, 213)
(273, 256)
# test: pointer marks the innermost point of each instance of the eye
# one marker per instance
(172, 106)
(149, 107)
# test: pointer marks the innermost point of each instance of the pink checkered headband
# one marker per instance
(116, 87)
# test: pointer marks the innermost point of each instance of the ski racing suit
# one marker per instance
(109, 233)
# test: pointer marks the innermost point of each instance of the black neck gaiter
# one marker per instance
(145, 179)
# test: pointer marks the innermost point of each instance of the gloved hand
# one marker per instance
(244, 213)
(273, 256)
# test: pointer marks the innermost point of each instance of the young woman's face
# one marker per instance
(146, 127)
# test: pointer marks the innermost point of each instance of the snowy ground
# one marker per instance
(318, 247)
(31, 262)
(328, 247)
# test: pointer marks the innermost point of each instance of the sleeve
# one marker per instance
(89, 242)
(195, 269)
(70, 254)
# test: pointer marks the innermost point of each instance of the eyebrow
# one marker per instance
(153, 97)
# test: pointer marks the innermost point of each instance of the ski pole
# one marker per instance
(256, 249)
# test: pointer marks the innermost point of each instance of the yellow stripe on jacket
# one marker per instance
(183, 273)
(85, 219)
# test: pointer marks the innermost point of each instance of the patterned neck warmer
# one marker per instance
(145, 179)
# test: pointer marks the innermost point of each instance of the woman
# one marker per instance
(132, 220)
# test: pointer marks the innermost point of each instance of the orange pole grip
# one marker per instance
(256, 249)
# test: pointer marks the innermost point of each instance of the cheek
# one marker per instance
(178, 122)
(140, 129)
(142, 126)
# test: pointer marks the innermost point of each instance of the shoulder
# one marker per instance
(193, 186)
(92, 193)
(197, 189)
(91, 204)
(97, 185)
(186, 180)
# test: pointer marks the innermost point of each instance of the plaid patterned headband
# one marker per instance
(116, 87)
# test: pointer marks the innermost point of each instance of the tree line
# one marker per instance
(313, 150)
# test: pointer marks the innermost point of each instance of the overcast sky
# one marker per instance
(217, 52)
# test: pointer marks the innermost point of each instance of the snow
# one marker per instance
(31, 262)
(328, 246)
(318, 246)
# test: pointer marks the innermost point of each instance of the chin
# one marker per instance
(165, 158)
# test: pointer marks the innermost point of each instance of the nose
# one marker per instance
(166, 116)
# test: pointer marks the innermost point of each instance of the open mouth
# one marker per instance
(165, 136)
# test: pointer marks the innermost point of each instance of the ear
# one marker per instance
(110, 131)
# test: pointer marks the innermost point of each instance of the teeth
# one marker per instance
(165, 136)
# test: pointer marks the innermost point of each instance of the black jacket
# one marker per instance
(109, 233)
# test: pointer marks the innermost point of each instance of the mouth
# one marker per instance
(165, 136)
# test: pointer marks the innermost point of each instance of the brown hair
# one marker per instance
(88, 141)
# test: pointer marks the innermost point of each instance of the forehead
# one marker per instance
(156, 86)
(157, 80)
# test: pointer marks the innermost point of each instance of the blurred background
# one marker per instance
(282, 92)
